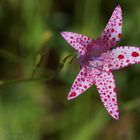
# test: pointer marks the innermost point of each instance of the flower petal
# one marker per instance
(106, 87)
(112, 32)
(123, 56)
(78, 41)
(81, 83)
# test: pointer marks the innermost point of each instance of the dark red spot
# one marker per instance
(85, 86)
(111, 112)
(100, 83)
(110, 65)
(112, 30)
(105, 99)
(135, 54)
(72, 94)
(114, 89)
(113, 99)
(83, 79)
(78, 79)
(120, 56)
(119, 35)
(90, 84)
(127, 60)
(71, 37)
(113, 39)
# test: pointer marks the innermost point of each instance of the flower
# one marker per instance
(98, 59)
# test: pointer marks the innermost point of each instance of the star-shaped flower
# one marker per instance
(98, 59)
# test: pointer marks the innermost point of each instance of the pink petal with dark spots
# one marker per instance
(112, 32)
(123, 56)
(106, 87)
(80, 85)
(77, 41)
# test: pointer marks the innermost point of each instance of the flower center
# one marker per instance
(97, 63)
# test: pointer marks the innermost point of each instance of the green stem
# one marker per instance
(15, 81)
(32, 79)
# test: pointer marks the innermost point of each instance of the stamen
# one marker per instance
(96, 66)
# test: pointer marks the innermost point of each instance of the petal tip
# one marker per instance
(62, 34)
(119, 8)
(72, 95)
(70, 98)
(116, 116)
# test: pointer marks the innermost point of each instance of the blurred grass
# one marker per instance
(31, 47)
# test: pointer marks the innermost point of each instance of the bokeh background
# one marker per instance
(37, 69)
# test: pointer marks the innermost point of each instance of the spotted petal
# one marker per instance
(106, 87)
(78, 41)
(123, 56)
(82, 82)
(112, 32)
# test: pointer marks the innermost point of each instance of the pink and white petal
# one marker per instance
(78, 41)
(112, 32)
(82, 82)
(106, 87)
(123, 56)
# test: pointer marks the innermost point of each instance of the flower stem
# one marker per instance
(32, 79)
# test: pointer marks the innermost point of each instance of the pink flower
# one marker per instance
(98, 59)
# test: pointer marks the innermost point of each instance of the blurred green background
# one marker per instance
(35, 78)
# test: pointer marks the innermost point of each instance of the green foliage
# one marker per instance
(38, 68)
